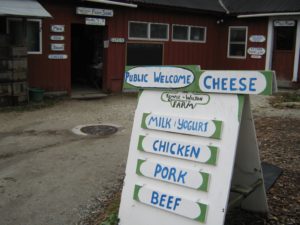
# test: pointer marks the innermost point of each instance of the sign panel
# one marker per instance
(57, 47)
(256, 51)
(117, 40)
(257, 38)
(181, 157)
(178, 149)
(284, 23)
(177, 175)
(57, 56)
(171, 203)
(58, 28)
(191, 79)
(182, 125)
(95, 21)
(57, 38)
(94, 12)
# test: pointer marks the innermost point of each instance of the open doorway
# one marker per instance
(87, 58)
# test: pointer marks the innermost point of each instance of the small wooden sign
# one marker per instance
(256, 51)
(57, 47)
(94, 21)
(58, 28)
(117, 40)
(94, 12)
(57, 56)
(57, 38)
(257, 38)
(284, 23)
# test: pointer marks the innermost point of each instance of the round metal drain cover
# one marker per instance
(99, 130)
(96, 129)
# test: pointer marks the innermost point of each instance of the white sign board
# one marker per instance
(284, 23)
(57, 47)
(257, 38)
(58, 28)
(117, 40)
(256, 51)
(178, 173)
(57, 37)
(183, 150)
(95, 21)
(94, 12)
(57, 56)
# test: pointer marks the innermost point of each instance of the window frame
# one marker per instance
(148, 31)
(229, 42)
(189, 33)
(40, 33)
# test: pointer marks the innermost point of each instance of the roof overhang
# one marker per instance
(23, 8)
(113, 3)
(269, 14)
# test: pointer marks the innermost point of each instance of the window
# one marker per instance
(33, 30)
(189, 33)
(148, 31)
(237, 42)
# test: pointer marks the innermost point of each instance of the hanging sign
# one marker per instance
(57, 47)
(256, 51)
(191, 79)
(117, 40)
(94, 12)
(95, 21)
(57, 37)
(256, 56)
(257, 38)
(57, 56)
(58, 28)
(284, 23)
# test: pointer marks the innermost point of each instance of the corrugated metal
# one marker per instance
(262, 6)
(207, 5)
(27, 8)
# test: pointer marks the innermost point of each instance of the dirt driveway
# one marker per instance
(50, 176)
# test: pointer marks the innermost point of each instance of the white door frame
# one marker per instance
(270, 40)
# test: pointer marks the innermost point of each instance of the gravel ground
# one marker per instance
(278, 134)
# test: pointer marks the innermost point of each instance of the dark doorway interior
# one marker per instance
(87, 57)
(284, 51)
(141, 54)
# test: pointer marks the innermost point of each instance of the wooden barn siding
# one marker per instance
(256, 26)
(54, 75)
(175, 53)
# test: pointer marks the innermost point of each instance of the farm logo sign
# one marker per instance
(184, 100)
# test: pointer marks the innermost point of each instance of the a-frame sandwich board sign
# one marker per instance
(193, 143)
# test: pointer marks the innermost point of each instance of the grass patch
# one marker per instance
(32, 106)
(110, 217)
(280, 99)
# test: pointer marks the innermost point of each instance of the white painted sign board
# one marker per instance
(256, 51)
(57, 37)
(183, 150)
(58, 28)
(257, 38)
(57, 56)
(94, 12)
(57, 47)
(94, 21)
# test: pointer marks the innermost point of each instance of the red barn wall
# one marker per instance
(256, 26)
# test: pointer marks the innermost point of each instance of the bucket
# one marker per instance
(36, 94)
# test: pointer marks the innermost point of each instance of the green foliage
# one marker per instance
(111, 220)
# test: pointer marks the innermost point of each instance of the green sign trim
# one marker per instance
(202, 217)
